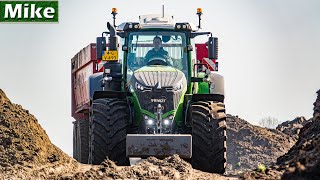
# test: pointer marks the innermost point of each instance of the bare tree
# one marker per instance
(269, 122)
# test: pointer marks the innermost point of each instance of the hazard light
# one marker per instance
(114, 10)
(199, 10)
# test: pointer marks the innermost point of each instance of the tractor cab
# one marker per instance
(155, 42)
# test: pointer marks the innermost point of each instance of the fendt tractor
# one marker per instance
(130, 101)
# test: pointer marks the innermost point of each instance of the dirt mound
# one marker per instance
(303, 159)
(152, 168)
(292, 128)
(22, 140)
(248, 145)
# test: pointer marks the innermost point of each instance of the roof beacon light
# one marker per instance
(199, 13)
(114, 13)
(199, 10)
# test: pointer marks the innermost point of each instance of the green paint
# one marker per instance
(178, 116)
(148, 113)
(203, 87)
(154, 116)
(168, 113)
(137, 110)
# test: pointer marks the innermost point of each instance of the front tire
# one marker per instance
(109, 123)
(208, 136)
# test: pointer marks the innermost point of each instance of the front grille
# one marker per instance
(149, 100)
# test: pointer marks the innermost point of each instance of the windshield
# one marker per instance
(157, 48)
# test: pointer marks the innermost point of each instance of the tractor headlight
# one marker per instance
(166, 125)
(149, 121)
(139, 86)
(151, 125)
(167, 121)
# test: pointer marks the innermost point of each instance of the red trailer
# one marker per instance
(202, 57)
(83, 64)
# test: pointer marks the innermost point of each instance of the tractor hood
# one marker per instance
(156, 85)
(158, 76)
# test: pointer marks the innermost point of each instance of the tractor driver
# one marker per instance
(157, 51)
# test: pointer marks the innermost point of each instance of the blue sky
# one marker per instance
(268, 55)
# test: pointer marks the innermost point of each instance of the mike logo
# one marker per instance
(29, 11)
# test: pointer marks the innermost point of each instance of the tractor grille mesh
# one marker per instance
(166, 79)
(159, 86)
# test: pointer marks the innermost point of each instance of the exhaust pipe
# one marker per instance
(113, 40)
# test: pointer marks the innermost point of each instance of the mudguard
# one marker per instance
(94, 83)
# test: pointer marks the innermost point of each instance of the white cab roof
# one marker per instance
(156, 21)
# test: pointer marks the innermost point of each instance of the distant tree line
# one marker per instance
(269, 122)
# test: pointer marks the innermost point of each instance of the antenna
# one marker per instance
(163, 10)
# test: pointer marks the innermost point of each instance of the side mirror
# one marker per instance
(189, 48)
(101, 46)
(213, 48)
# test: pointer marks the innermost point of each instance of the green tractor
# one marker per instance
(145, 103)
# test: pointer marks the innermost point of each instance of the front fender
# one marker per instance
(215, 85)
(94, 83)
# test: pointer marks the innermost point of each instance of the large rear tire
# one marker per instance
(108, 129)
(208, 136)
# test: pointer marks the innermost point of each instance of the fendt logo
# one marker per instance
(162, 100)
(29, 11)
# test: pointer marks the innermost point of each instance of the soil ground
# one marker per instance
(26, 152)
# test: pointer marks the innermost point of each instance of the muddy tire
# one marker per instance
(208, 136)
(81, 140)
(108, 129)
(83, 129)
(75, 141)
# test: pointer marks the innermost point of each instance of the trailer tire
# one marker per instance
(83, 134)
(208, 136)
(81, 140)
(108, 130)
(75, 141)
